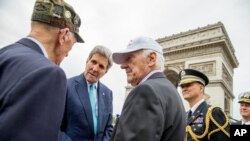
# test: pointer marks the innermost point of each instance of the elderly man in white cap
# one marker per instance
(153, 110)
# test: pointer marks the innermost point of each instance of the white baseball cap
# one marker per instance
(135, 45)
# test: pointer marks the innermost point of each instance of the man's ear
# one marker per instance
(152, 58)
(63, 35)
(202, 87)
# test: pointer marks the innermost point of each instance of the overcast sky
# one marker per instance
(113, 23)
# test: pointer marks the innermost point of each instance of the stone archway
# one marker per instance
(209, 50)
(172, 76)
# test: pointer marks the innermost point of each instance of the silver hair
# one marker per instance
(104, 51)
(159, 58)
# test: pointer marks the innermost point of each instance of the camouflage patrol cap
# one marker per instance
(57, 13)
(244, 97)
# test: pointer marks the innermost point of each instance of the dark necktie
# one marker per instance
(189, 115)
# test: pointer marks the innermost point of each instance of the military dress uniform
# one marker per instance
(207, 124)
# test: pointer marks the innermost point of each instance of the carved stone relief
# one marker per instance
(206, 67)
(193, 52)
(227, 104)
(179, 66)
(203, 35)
(227, 77)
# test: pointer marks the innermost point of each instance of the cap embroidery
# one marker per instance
(67, 14)
(183, 73)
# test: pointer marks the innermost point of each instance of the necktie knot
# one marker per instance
(91, 87)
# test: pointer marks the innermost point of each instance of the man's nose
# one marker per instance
(95, 67)
(123, 66)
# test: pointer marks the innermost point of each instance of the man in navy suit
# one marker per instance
(88, 119)
(32, 85)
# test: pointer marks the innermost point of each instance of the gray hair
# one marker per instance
(47, 27)
(104, 51)
(159, 58)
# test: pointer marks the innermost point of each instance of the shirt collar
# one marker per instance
(95, 84)
(39, 44)
(148, 75)
(196, 105)
(245, 123)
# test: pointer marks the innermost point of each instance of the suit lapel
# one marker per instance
(82, 92)
(101, 105)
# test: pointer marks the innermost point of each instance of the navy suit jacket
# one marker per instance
(32, 94)
(78, 122)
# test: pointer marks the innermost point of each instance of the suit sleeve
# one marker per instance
(142, 118)
(62, 136)
(36, 105)
(220, 118)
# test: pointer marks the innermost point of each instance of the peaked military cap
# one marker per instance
(190, 75)
(244, 97)
(59, 14)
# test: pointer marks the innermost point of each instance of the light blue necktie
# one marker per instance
(93, 106)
